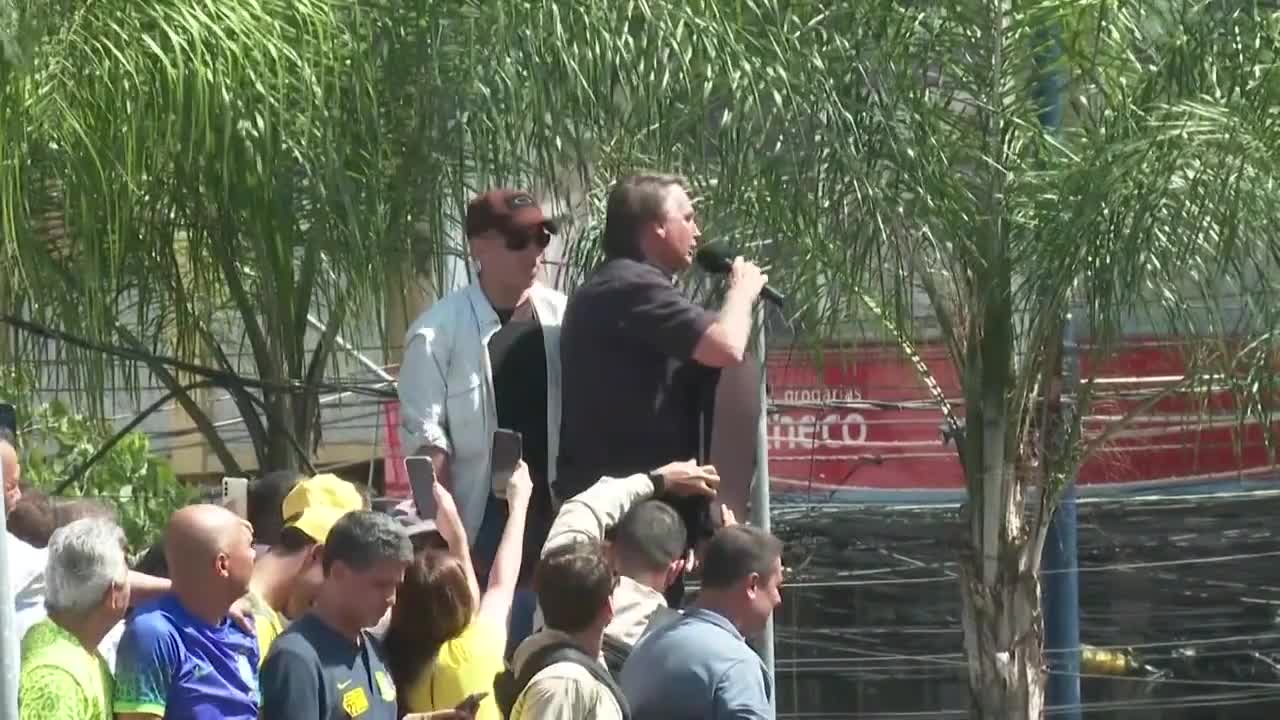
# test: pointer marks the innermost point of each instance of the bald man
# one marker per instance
(26, 563)
(182, 656)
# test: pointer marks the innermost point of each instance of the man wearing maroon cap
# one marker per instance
(483, 358)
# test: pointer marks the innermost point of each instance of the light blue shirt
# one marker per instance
(697, 667)
(446, 390)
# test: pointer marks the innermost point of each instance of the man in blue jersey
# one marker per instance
(181, 656)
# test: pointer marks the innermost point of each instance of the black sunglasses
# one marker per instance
(518, 240)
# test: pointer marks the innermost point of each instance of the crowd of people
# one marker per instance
(558, 595)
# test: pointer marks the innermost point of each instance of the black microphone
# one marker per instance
(719, 261)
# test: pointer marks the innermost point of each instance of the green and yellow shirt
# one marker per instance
(61, 679)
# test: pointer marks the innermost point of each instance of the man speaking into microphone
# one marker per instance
(639, 358)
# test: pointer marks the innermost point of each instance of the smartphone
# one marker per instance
(508, 450)
(9, 419)
(235, 495)
(422, 477)
(471, 705)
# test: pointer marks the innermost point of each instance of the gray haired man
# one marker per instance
(87, 592)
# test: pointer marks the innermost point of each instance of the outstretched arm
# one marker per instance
(590, 514)
(449, 525)
(495, 605)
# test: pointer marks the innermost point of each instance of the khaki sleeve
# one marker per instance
(588, 515)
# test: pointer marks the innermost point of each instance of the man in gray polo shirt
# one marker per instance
(700, 665)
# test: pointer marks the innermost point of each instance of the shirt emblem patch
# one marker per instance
(244, 667)
(355, 702)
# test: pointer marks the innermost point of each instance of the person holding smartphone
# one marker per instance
(486, 358)
(445, 640)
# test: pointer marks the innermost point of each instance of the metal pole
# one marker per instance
(1060, 561)
(8, 623)
(760, 514)
(1061, 580)
(351, 350)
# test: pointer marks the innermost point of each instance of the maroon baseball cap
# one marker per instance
(506, 210)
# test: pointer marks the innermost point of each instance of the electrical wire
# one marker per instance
(217, 376)
(1082, 568)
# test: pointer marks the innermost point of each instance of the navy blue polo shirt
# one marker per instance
(313, 672)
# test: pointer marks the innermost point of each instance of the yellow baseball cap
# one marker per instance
(314, 505)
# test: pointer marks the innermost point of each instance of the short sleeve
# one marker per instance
(552, 698)
(148, 659)
(51, 693)
(290, 684)
(651, 310)
(266, 624)
(741, 693)
(464, 665)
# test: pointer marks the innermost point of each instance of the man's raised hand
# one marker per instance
(687, 478)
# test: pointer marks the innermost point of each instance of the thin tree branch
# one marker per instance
(74, 476)
(189, 405)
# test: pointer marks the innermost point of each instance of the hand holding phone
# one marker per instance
(519, 487)
(471, 706)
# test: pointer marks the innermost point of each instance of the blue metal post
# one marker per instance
(1060, 561)
(1061, 585)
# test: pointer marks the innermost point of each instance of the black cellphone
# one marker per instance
(508, 451)
(422, 477)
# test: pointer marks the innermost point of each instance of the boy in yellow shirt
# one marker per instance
(285, 580)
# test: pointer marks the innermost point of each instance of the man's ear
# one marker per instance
(753, 583)
(608, 609)
(116, 597)
(315, 554)
(222, 565)
(336, 570)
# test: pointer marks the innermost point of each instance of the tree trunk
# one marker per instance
(1003, 636)
(409, 292)
(281, 454)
